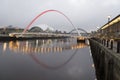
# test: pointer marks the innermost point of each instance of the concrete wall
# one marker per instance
(107, 62)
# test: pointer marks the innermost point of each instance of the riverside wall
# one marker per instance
(106, 61)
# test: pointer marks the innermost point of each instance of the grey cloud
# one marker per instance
(85, 14)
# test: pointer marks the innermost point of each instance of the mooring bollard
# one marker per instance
(118, 46)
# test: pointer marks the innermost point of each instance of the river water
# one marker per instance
(57, 59)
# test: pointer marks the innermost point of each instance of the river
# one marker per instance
(56, 59)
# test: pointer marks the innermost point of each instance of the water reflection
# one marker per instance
(51, 67)
(4, 46)
(60, 59)
(43, 46)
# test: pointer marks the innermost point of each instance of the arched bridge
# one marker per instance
(84, 33)
(78, 29)
(36, 34)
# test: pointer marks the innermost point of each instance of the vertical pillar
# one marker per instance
(104, 42)
(107, 43)
(101, 41)
(111, 45)
(118, 46)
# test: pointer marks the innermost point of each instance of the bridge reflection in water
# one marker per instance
(43, 46)
(56, 59)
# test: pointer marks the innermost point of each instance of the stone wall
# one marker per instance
(107, 62)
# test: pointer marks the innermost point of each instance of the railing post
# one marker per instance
(118, 46)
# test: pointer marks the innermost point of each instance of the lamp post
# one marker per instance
(109, 17)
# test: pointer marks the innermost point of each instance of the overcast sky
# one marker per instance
(85, 14)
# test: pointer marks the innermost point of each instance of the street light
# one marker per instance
(109, 17)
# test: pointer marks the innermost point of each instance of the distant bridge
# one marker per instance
(40, 34)
(31, 35)
(78, 29)
(47, 11)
